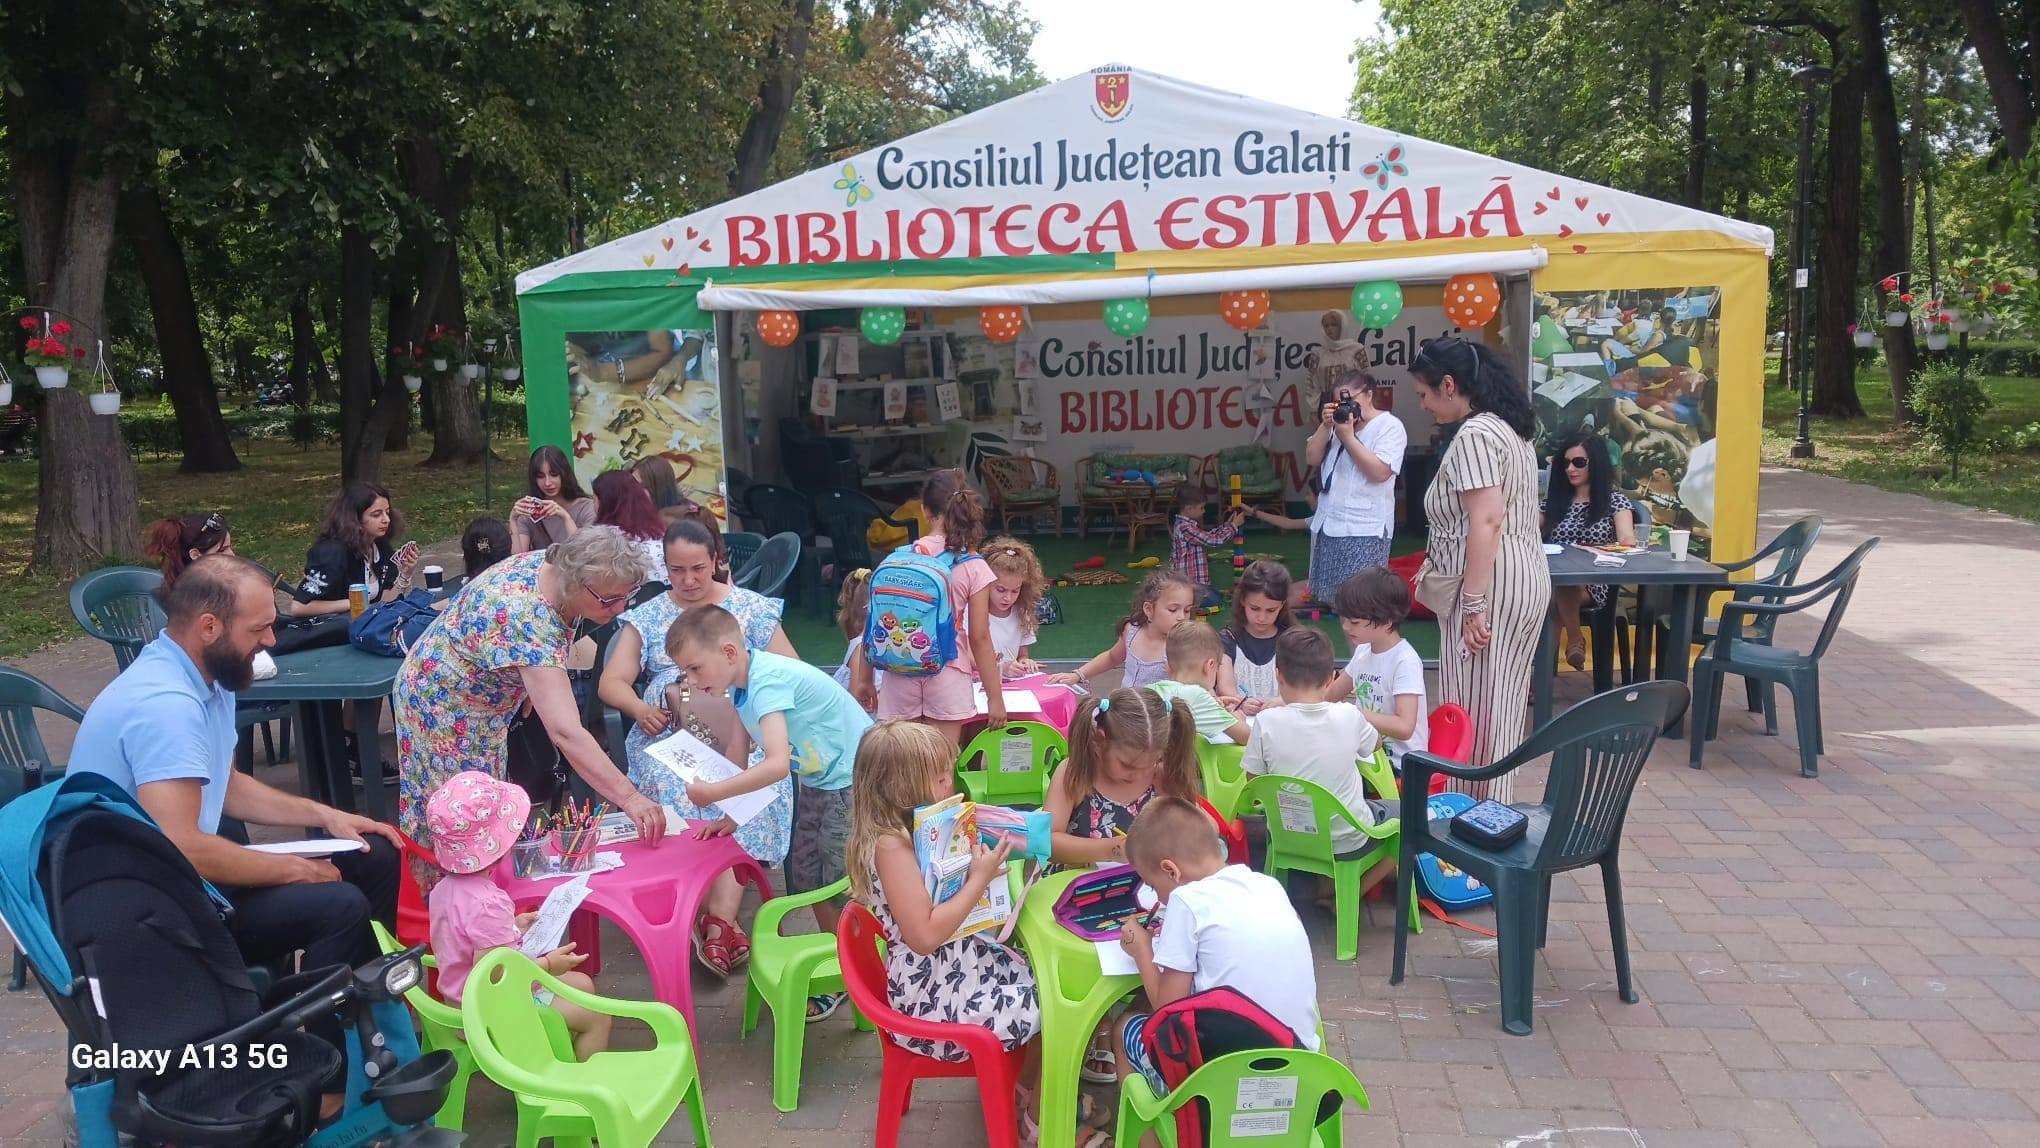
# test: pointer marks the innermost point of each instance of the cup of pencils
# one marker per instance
(574, 846)
(528, 855)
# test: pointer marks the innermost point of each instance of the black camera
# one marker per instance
(1347, 410)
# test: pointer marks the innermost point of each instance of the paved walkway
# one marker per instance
(1847, 960)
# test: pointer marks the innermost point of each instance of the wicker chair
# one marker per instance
(1118, 505)
(1260, 485)
(1028, 489)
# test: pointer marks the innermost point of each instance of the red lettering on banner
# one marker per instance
(1268, 203)
(1230, 412)
(1504, 201)
(1113, 218)
(1432, 210)
(1290, 469)
(878, 248)
(973, 220)
(1340, 228)
(818, 242)
(1215, 211)
(917, 232)
(1073, 413)
(1291, 401)
(746, 243)
(1003, 230)
(1049, 242)
(785, 244)
(1174, 216)
(1396, 205)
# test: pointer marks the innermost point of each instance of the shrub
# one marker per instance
(1951, 402)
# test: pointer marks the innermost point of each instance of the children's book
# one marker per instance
(943, 836)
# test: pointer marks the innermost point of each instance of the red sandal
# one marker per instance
(712, 944)
(740, 947)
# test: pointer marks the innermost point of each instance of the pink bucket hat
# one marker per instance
(473, 819)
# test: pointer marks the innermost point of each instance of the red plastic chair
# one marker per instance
(414, 921)
(997, 1071)
(1234, 832)
(1451, 738)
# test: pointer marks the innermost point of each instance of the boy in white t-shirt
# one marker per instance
(1385, 676)
(1317, 740)
(1221, 925)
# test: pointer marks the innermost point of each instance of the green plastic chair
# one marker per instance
(784, 972)
(439, 1028)
(1225, 780)
(1294, 848)
(117, 605)
(21, 743)
(1320, 1085)
(1075, 993)
(622, 1099)
(981, 768)
(1597, 751)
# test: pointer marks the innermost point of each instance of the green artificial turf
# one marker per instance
(1091, 614)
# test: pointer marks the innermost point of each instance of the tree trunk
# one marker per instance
(308, 374)
(187, 370)
(1838, 251)
(776, 91)
(66, 200)
(1752, 67)
(1893, 246)
(364, 417)
(454, 416)
(2010, 93)
(1696, 135)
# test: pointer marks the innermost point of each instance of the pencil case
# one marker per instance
(1027, 829)
(1490, 825)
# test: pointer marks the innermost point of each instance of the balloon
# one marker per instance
(1243, 310)
(1472, 300)
(1377, 304)
(1126, 317)
(778, 328)
(1002, 324)
(883, 325)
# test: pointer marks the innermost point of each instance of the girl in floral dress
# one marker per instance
(696, 563)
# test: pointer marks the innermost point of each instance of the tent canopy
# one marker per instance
(1116, 182)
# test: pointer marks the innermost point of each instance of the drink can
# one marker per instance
(357, 598)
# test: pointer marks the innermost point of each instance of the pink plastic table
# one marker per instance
(1058, 703)
(654, 899)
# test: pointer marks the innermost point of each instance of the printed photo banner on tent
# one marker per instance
(637, 394)
(1165, 167)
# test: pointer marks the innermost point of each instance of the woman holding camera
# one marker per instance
(1357, 450)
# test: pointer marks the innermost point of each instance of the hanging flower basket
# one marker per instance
(104, 402)
(471, 371)
(48, 353)
(438, 364)
(53, 377)
(1897, 318)
(1937, 342)
(1864, 337)
(512, 373)
(1980, 323)
(6, 394)
(412, 383)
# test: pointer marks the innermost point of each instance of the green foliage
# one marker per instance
(1951, 402)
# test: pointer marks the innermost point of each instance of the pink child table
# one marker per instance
(654, 898)
(1058, 704)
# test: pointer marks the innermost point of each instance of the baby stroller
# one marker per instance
(171, 1041)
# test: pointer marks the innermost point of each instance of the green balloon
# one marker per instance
(1126, 317)
(1377, 304)
(883, 325)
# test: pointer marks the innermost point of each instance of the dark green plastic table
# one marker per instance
(1575, 567)
(322, 683)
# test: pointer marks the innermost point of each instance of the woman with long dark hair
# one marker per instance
(655, 471)
(622, 501)
(1582, 506)
(355, 546)
(553, 506)
(1486, 576)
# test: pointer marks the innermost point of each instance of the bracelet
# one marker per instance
(1473, 603)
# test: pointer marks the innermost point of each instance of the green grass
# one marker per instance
(1875, 452)
(1091, 614)
(274, 505)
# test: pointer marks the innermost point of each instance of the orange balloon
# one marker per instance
(1002, 324)
(779, 328)
(1243, 310)
(1472, 300)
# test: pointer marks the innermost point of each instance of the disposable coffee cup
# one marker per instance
(434, 577)
(1679, 541)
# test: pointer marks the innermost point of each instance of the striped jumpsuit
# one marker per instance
(1493, 686)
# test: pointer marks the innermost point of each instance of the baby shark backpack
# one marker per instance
(910, 628)
(1439, 881)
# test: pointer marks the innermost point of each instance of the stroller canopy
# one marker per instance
(25, 823)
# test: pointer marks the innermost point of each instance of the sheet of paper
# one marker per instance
(895, 401)
(545, 933)
(691, 758)
(948, 402)
(312, 847)
(1221, 738)
(615, 827)
(1017, 701)
(1115, 961)
(847, 351)
(604, 862)
(822, 400)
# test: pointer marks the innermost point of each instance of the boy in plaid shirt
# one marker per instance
(1188, 538)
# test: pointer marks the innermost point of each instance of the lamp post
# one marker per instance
(488, 404)
(1809, 78)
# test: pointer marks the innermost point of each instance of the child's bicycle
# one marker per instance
(170, 1039)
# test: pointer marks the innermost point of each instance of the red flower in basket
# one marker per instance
(60, 327)
(28, 323)
(1906, 298)
(2002, 288)
(1890, 284)
(77, 352)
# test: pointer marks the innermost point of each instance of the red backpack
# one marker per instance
(1183, 1036)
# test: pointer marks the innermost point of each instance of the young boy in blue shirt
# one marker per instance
(804, 722)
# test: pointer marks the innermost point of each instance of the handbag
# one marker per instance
(318, 632)
(1437, 590)
(707, 716)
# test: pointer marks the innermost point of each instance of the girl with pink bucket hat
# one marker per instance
(474, 819)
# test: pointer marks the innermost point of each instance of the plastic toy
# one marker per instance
(1094, 562)
(1147, 563)
(1239, 540)
(1130, 474)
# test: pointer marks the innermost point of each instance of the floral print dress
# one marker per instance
(1577, 527)
(766, 836)
(971, 980)
(462, 682)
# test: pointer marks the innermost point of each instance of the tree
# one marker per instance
(187, 371)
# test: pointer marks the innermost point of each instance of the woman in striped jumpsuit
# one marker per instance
(1483, 508)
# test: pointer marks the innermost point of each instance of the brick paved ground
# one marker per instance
(1849, 960)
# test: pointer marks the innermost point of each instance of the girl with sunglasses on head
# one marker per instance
(176, 541)
(1582, 506)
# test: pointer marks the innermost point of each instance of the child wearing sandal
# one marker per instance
(474, 819)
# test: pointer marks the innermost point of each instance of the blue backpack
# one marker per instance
(1439, 881)
(910, 628)
(391, 628)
